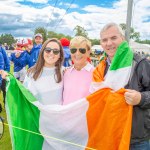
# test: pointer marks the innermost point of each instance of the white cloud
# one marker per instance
(68, 5)
(72, 5)
(120, 4)
(96, 17)
(92, 17)
(38, 1)
(141, 11)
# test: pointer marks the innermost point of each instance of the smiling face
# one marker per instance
(49, 57)
(38, 40)
(110, 40)
(80, 59)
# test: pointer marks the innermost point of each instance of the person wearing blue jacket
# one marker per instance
(1, 65)
(33, 52)
(67, 56)
(20, 61)
(6, 59)
(1, 68)
(4, 65)
(38, 38)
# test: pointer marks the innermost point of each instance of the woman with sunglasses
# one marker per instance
(44, 79)
(77, 78)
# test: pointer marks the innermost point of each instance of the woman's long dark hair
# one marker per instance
(37, 69)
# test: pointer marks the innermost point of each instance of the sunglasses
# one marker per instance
(81, 50)
(55, 51)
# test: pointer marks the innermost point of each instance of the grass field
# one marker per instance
(5, 142)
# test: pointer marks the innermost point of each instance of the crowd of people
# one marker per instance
(47, 76)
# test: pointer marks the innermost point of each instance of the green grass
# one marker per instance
(5, 141)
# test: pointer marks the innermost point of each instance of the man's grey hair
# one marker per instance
(109, 25)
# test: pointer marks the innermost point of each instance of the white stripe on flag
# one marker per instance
(62, 122)
(114, 79)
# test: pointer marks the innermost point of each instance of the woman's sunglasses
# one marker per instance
(55, 51)
(81, 50)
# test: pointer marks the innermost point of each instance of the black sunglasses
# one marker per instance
(81, 50)
(55, 51)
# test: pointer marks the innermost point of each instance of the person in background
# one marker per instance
(67, 57)
(33, 52)
(6, 46)
(137, 89)
(1, 68)
(19, 44)
(6, 67)
(77, 79)
(38, 38)
(12, 47)
(19, 58)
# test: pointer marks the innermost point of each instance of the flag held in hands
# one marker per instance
(100, 121)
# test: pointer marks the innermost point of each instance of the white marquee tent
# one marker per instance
(138, 47)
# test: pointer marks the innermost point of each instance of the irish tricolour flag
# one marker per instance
(100, 121)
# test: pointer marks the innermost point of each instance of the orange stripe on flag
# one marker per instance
(109, 117)
(109, 120)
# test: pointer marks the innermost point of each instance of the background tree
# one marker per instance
(7, 38)
(123, 26)
(136, 36)
(144, 41)
(43, 31)
(52, 34)
(95, 41)
(133, 35)
(80, 31)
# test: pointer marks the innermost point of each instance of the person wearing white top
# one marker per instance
(44, 79)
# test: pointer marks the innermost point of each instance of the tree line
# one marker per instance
(79, 31)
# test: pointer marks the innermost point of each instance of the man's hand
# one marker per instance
(132, 97)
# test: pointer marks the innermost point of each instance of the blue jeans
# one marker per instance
(145, 145)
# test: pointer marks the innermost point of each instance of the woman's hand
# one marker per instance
(4, 74)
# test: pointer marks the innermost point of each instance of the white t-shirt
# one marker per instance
(45, 88)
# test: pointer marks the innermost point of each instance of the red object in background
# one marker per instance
(19, 43)
(89, 59)
(26, 42)
(64, 42)
(18, 48)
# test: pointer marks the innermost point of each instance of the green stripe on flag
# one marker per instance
(123, 57)
(23, 114)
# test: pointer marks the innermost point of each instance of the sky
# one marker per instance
(21, 17)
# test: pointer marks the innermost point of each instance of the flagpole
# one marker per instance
(128, 20)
